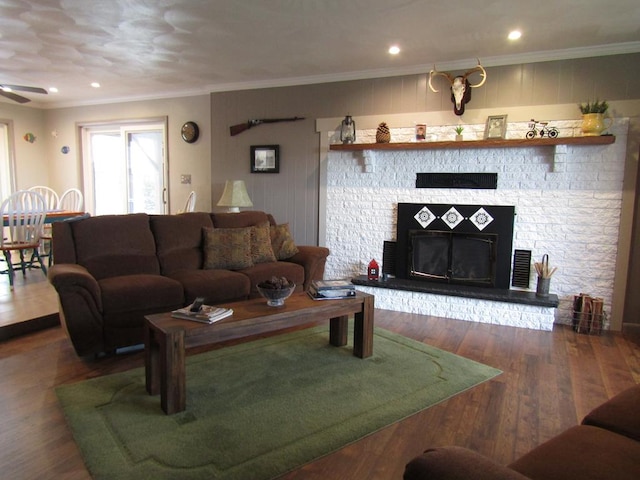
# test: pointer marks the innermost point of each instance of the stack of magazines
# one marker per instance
(206, 314)
(331, 289)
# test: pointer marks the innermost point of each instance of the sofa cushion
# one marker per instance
(261, 250)
(179, 240)
(115, 245)
(227, 248)
(621, 414)
(282, 242)
(215, 286)
(264, 271)
(131, 293)
(582, 452)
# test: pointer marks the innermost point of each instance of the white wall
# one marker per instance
(32, 159)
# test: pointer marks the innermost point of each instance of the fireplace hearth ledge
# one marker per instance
(480, 293)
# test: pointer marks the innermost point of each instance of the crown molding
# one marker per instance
(497, 61)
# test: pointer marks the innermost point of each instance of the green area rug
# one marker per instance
(260, 409)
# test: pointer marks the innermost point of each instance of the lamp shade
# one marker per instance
(234, 196)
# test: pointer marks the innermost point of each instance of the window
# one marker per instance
(7, 167)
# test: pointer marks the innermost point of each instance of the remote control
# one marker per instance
(197, 304)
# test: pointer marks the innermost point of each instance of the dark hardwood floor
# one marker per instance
(550, 381)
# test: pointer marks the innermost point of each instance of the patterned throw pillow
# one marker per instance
(261, 250)
(282, 242)
(228, 248)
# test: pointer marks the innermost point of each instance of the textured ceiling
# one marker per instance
(139, 49)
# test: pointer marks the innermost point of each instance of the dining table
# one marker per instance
(53, 216)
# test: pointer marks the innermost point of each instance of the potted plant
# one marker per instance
(459, 129)
(593, 120)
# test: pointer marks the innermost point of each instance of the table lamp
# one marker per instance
(234, 196)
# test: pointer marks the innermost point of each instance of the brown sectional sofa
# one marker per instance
(112, 270)
(605, 446)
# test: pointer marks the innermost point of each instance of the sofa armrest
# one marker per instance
(457, 463)
(80, 306)
(313, 260)
(67, 275)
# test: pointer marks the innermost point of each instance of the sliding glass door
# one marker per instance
(125, 168)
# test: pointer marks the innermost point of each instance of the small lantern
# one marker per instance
(348, 130)
(373, 271)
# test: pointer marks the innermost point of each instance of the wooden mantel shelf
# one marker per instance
(492, 143)
(369, 150)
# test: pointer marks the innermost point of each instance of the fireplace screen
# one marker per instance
(461, 258)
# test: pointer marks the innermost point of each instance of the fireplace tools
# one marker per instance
(544, 276)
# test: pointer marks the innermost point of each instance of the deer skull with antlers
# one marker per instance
(460, 86)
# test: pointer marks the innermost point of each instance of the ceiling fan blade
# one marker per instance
(24, 88)
(14, 96)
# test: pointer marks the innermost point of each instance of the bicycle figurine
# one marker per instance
(551, 132)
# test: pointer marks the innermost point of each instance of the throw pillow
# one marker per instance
(261, 250)
(228, 248)
(282, 242)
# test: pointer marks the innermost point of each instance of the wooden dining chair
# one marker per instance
(71, 200)
(51, 203)
(23, 215)
(190, 204)
(50, 196)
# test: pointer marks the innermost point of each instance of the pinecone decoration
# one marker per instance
(382, 134)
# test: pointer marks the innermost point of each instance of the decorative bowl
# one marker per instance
(275, 296)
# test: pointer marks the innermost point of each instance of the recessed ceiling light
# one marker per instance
(515, 35)
(95, 84)
(394, 50)
(53, 90)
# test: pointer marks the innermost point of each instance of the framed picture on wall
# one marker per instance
(496, 126)
(265, 159)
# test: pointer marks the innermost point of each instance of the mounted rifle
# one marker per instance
(241, 127)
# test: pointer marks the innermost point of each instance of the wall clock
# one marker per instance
(190, 132)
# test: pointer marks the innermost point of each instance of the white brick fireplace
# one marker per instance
(567, 203)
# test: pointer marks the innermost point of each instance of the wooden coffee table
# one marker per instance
(167, 338)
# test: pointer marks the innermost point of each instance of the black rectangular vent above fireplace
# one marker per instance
(455, 244)
(457, 180)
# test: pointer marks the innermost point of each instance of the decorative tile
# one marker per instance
(452, 218)
(481, 219)
(424, 217)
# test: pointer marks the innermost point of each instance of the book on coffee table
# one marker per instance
(331, 289)
(331, 294)
(342, 284)
(206, 314)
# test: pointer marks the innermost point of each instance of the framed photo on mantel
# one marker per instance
(496, 127)
(265, 159)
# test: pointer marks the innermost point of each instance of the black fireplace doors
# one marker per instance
(455, 243)
(460, 258)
